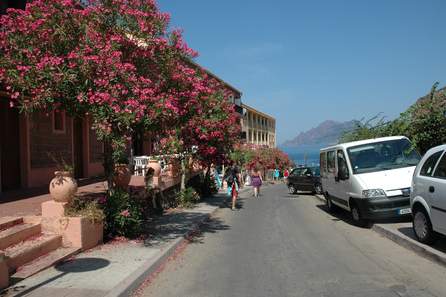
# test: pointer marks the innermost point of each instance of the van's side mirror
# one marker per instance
(309, 175)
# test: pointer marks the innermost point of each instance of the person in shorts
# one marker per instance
(256, 181)
(232, 179)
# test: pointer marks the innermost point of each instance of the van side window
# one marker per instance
(342, 166)
(331, 161)
(323, 161)
(429, 165)
(440, 172)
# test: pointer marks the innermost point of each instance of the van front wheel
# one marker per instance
(357, 218)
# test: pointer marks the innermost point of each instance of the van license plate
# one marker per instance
(404, 211)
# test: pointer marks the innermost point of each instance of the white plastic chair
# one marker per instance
(141, 165)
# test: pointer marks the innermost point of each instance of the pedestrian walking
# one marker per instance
(286, 173)
(276, 174)
(232, 178)
(256, 181)
(216, 176)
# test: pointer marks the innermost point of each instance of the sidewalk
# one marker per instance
(400, 231)
(118, 268)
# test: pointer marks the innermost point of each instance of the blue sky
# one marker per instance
(308, 61)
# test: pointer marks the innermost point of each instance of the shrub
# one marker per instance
(204, 185)
(188, 198)
(85, 207)
(124, 215)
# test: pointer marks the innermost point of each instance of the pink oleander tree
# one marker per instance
(262, 158)
(112, 60)
(209, 124)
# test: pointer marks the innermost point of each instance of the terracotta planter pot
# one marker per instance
(122, 175)
(63, 186)
(155, 165)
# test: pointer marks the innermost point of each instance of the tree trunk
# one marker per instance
(108, 164)
(183, 174)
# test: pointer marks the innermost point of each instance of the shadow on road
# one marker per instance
(162, 229)
(298, 195)
(343, 215)
(337, 215)
(439, 245)
(210, 226)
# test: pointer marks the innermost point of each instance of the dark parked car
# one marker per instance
(305, 179)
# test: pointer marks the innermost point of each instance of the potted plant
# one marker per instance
(63, 186)
(155, 165)
(122, 174)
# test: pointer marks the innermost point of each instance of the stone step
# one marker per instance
(18, 233)
(44, 262)
(31, 249)
(8, 222)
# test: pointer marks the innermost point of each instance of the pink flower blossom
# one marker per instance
(125, 213)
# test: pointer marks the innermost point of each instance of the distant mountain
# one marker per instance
(326, 133)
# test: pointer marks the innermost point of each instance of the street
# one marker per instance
(288, 245)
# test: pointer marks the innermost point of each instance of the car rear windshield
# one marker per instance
(379, 156)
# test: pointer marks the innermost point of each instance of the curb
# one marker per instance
(411, 244)
(129, 285)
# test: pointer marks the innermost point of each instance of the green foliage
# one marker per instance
(61, 164)
(124, 215)
(428, 121)
(424, 123)
(85, 207)
(188, 198)
(203, 184)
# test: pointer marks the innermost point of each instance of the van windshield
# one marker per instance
(381, 156)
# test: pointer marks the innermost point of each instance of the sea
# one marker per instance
(305, 155)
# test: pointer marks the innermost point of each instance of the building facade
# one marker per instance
(33, 146)
(258, 128)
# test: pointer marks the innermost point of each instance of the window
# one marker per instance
(429, 165)
(297, 172)
(58, 121)
(331, 162)
(440, 172)
(316, 171)
(385, 155)
(343, 172)
(323, 161)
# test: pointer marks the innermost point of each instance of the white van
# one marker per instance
(370, 178)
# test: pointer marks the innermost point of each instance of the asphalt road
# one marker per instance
(288, 245)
